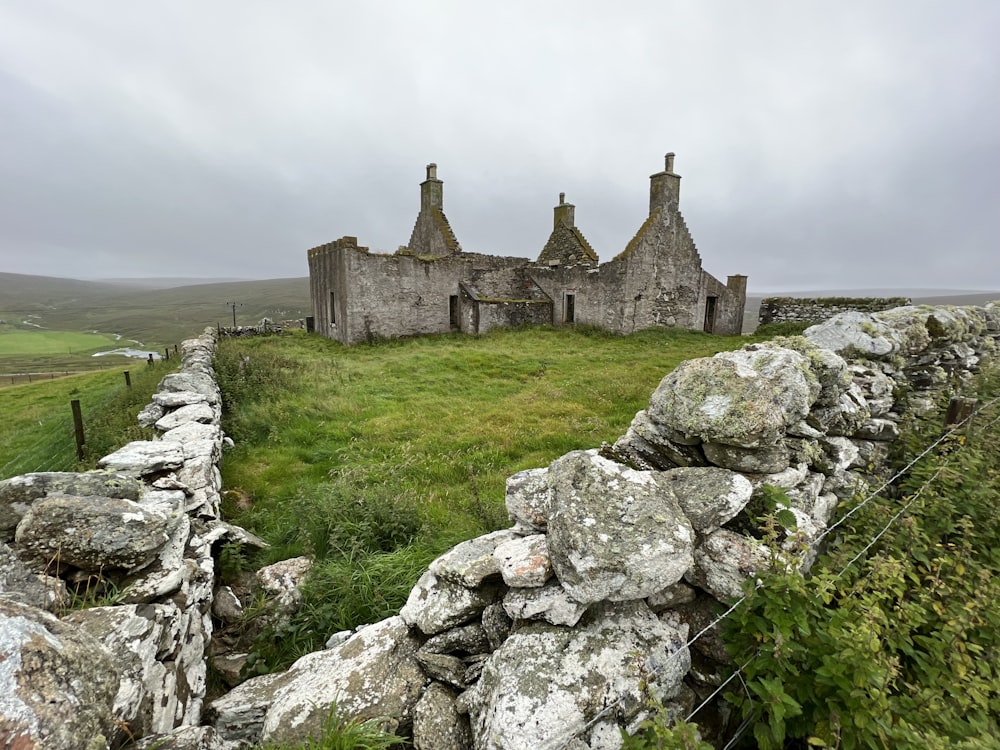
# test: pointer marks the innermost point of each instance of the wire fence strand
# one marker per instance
(562, 742)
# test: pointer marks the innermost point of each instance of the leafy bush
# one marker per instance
(894, 640)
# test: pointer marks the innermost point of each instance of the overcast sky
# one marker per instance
(823, 145)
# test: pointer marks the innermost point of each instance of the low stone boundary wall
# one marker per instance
(136, 537)
(562, 629)
(816, 310)
(556, 632)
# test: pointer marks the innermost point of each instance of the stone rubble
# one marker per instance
(557, 632)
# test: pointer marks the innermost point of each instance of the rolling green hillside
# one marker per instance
(148, 318)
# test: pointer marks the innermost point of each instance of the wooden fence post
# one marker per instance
(77, 426)
(128, 380)
(959, 410)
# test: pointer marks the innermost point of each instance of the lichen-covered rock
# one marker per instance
(435, 605)
(181, 382)
(282, 582)
(18, 493)
(787, 370)
(437, 724)
(615, 533)
(166, 573)
(550, 603)
(372, 675)
(149, 414)
(909, 323)
(720, 401)
(877, 429)
(21, 584)
(839, 453)
(57, 683)
(94, 533)
(472, 562)
(708, 496)
(854, 334)
(200, 412)
(647, 445)
(672, 596)
(176, 399)
(238, 716)
(876, 387)
(524, 562)
(444, 668)
(188, 738)
(768, 459)
(471, 639)
(830, 369)
(724, 560)
(145, 457)
(497, 624)
(528, 499)
(545, 683)
(846, 417)
(138, 636)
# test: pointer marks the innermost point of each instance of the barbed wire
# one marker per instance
(562, 742)
(899, 514)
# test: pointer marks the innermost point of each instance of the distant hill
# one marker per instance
(156, 317)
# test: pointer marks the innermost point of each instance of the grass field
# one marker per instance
(20, 343)
(38, 430)
(374, 459)
(53, 308)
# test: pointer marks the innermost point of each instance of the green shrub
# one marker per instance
(894, 640)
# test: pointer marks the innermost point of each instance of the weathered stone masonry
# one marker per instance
(432, 286)
(816, 310)
(559, 631)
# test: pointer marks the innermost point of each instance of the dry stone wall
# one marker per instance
(559, 631)
(802, 310)
(138, 534)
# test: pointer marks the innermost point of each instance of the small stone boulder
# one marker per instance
(524, 562)
(787, 370)
(434, 604)
(528, 499)
(471, 562)
(545, 683)
(57, 683)
(94, 533)
(144, 457)
(18, 493)
(372, 675)
(615, 533)
(724, 560)
(708, 496)
(719, 400)
(854, 334)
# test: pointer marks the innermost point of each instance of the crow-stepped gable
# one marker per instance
(432, 286)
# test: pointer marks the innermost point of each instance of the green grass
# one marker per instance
(893, 641)
(407, 444)
(38, 430)
(25, 343)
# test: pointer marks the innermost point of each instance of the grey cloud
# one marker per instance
(817, 143)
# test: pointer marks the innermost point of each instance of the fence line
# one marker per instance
(916, 495)
(59, 438)
(562, 742)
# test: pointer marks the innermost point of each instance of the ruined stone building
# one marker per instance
(431, 285)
